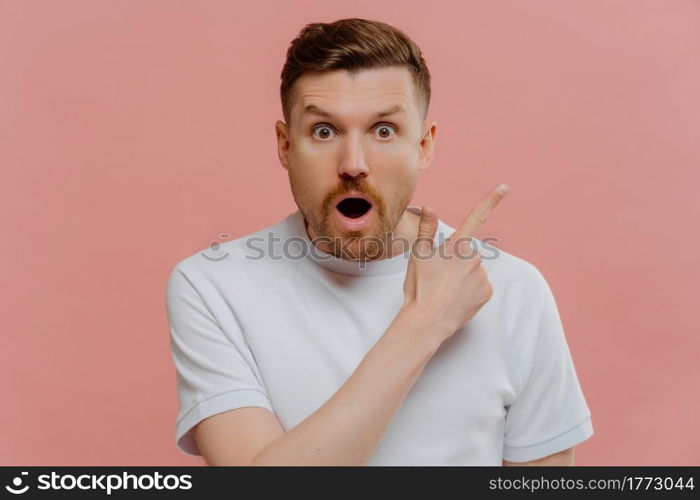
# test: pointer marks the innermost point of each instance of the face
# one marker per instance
(353, 148)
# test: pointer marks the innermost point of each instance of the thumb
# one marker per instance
(426, 231)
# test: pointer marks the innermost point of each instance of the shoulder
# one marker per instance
(244, 267)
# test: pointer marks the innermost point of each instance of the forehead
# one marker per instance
(364, 91)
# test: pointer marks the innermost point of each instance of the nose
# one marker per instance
(352, 158)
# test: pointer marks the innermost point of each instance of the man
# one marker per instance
(360, 330)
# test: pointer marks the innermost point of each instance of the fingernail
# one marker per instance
(503, 188)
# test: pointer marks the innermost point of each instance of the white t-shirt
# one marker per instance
(269, 320)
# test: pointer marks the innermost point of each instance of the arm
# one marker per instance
(348, 427)
(565, 457)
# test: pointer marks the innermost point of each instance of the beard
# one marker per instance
(371, 243)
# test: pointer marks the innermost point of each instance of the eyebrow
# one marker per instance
(313, 109)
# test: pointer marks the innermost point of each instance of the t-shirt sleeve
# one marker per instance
(550, 413)
(215, 369)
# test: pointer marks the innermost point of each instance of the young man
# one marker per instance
(360, 330)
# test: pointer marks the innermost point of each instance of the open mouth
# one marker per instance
(353, 208)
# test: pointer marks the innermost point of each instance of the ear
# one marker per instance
(426, 146)
(282, 143)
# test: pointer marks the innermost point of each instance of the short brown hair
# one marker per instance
(352, 44)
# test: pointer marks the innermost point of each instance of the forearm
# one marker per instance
(348, 427)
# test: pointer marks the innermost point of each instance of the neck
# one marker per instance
(404, 234)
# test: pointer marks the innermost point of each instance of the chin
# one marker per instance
(358, 245)
(369, 250)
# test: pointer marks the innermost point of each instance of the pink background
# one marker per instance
(133, 134)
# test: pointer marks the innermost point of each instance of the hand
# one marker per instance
(446, 286)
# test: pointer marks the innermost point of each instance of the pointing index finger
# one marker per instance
(480, 212)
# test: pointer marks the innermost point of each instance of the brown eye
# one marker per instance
(385, 131)
(325, 132)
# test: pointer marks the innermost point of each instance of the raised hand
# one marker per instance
(446, 286)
